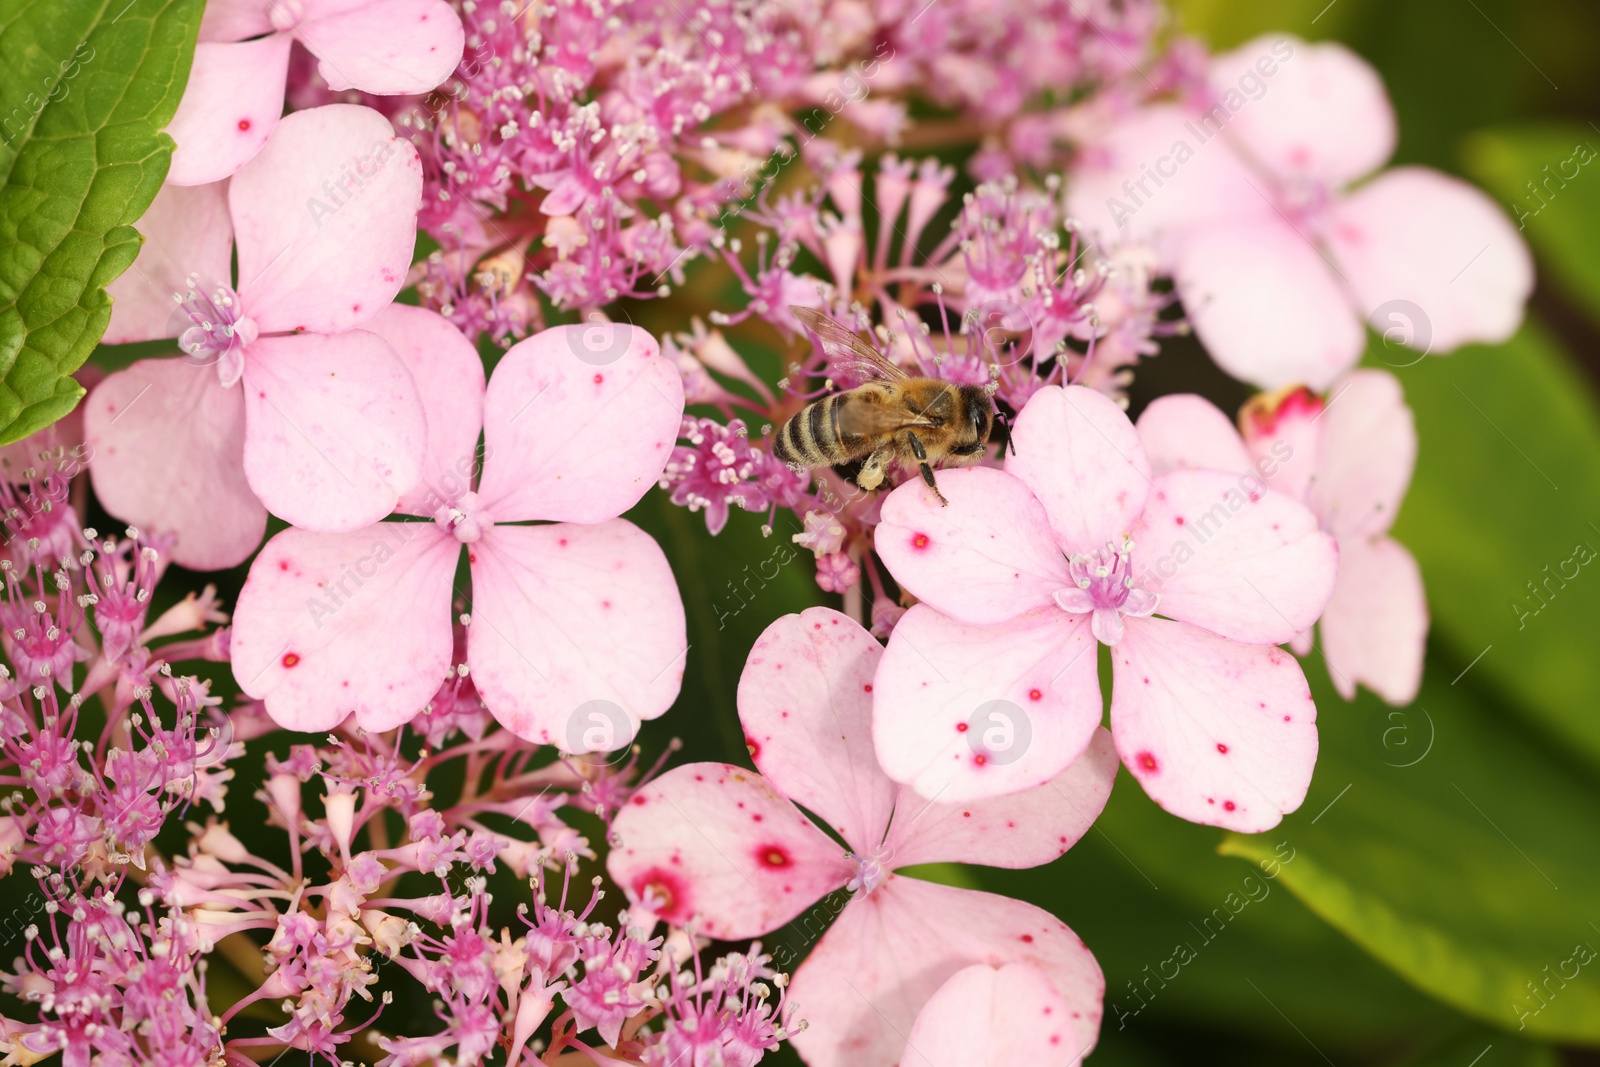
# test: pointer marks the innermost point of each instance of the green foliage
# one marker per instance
(85, 88)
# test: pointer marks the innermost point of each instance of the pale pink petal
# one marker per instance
(1266, 306)
(888, 953)
(186, 231)
(1217, 732)
(1369, 448)
(325, 219)
(1375, 628)
(962, 712)
(1321, 115)
(234, 20)
(1227, 554)
(168, 443)
(1284, 433)
(1022, 829)
(718, 848)
(385, 48)
(578, 423)
(989, 556)
(1183, 431)
(805, 699)
(334, 429)
(1082, 458)
(330, 625)
(989, 1017)
(1154, 176)
(449, 379)
(229, 108)
(577, 632)
(1433, 262)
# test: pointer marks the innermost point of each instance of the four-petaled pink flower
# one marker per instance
(1191, 577)
(728, 853)
(235, 93)
(1350, 460)
(1245, 190)
(281, 402)
(576, 631)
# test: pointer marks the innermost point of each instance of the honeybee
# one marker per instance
(893, 415)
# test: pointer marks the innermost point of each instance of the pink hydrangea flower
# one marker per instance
(727, 851)
(994, 1016)
(281, 401)
(576, 630)
(1350, 460)
(1077, 542)
(235, 93)
(1246, 189)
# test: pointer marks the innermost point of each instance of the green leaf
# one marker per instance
(85, 88)
(1541, 176)
(1499, 514)
(1466, 862)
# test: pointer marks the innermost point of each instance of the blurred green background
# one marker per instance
(1445, 874)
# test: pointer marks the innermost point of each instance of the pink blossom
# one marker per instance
(1246, 189)
(1076, 543)
(1350, 460)
(234, 98)
(994, 1016)
(282, 401)
(576, 631)
(728, 852)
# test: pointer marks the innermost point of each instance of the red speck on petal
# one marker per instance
(1029, 939)
(1034, 694)
(1228, 805)
(1179, 520)
(666, 887)
(753, 747)
(638, 799)
(920, 541)
(1286, 718)
(1147, 760)
(291, 658)
(774, 856)
(980, 759)
(472, 557)
(966, 815)
(1222, 748)
(283, 564)
(961, 727)
(598, 378)
(244, 125)
(867, 687)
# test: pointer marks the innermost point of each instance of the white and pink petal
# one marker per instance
(386, 48)
(1369, 449)
(186, 233)
(230, 108)
(988, 1016)
(1375, 628)
(1182, 431)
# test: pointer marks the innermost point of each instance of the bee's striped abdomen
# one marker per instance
(811, 437)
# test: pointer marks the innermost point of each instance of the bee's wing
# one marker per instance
(845, 348)
(864, 420)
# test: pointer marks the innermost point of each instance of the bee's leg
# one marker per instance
(871, 474)
(927, 471)
(1011, 437)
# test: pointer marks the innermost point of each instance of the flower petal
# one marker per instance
(989, 556)
(234, 20)
(963, 712)
(1082, 458)
(577, 632)
(186, 231)
(1265, 305)
(229, 108)
(1217, 732)
(995, 1017)
(1369, 448)
(1283, 431)
(1375, 628)
(334, 428)
(1022, 829)
(1322, 115)
(578, 423)
(329, 625)
(449, 379)
(1154, 176)
(387, 48)
(168, 443)
(325, 218)
(869, 977)
(725, 851)
(1432, 261)
(805, 699)
(1225, 553)
(1183, 431)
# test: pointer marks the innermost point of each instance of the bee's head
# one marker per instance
(979, 411)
